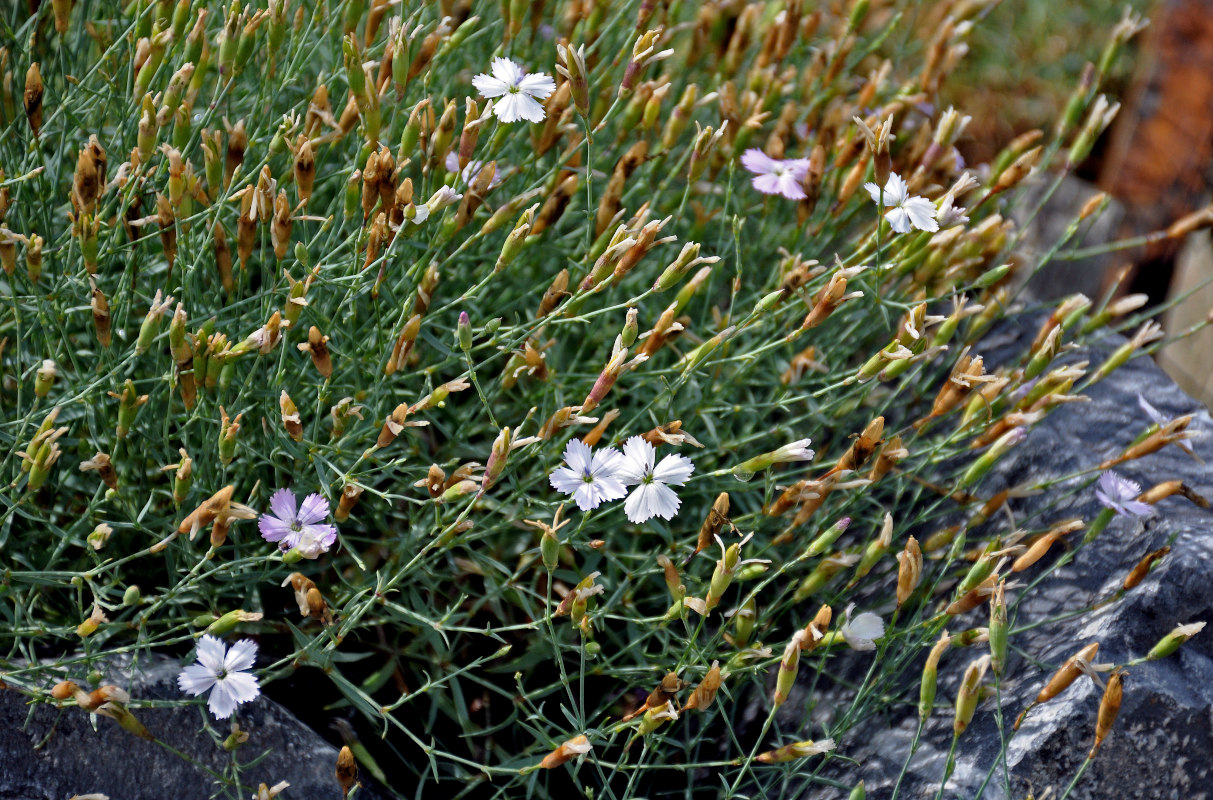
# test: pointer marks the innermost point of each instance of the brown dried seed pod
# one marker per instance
(1109, 707)
(717, 516)
(33, 98)
(705, 692)
(1139, 572)
(304, 167)
(317, 347)
(350, 495)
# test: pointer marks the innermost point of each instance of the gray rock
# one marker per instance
(52, 754)
(1162, 743)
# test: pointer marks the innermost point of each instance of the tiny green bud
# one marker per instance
(463, 332)
(131, 596)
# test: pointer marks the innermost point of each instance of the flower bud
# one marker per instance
(44, 378)
(1171, 642)
(969, 695)
(788, 667)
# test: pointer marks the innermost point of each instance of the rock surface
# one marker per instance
(52, 754)
(1162, 743)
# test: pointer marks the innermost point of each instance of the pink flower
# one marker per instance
(298, 529)
(776, 176)
(1120, 494)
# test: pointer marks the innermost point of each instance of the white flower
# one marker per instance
(471, 172)
(224, 672)
(445, 196)
(652, 496)
(907, 211)
(520, 93)
(794, 451)
(590, 477)
(862, 632)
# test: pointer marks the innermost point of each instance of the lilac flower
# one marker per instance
(520, 93)
(590, 477)
(776, 176)
(468, 174)
(652, 496)
(1161, 421)
(224, 672)
(1120, 494)
(298, 529)
(907, 211)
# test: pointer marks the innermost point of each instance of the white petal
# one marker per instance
(922, 213)
(195, 679)
(242, 656)
(898, 220)
(488, 86)
(221, 702)
(663, 501)
(674, 469)
(606, 463)
(242, 686)
(577, 455)
(637, 506)
(565, 480)
(866, 626)
(508, 108)
(638, 456)
(895, 190)
(507, 71)
(537, 85)
(210, 653)
(873, 190)
(529, 108)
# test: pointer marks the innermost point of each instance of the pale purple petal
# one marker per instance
(316, 539)
(488, 86)
(241, 656)
(243, 686)
(1138, 508)
(211, 653)
(314, 509)
(273, 529)
(195, 679)
(591, 494)
(222, 701)
(922, 213)
(606, 463)
(282, 503)
(759, 163)
(767, 184)
(789, 187)
(577, 455)
(537, 85)
(674, 469)
(1151, 412)
(566, 480)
